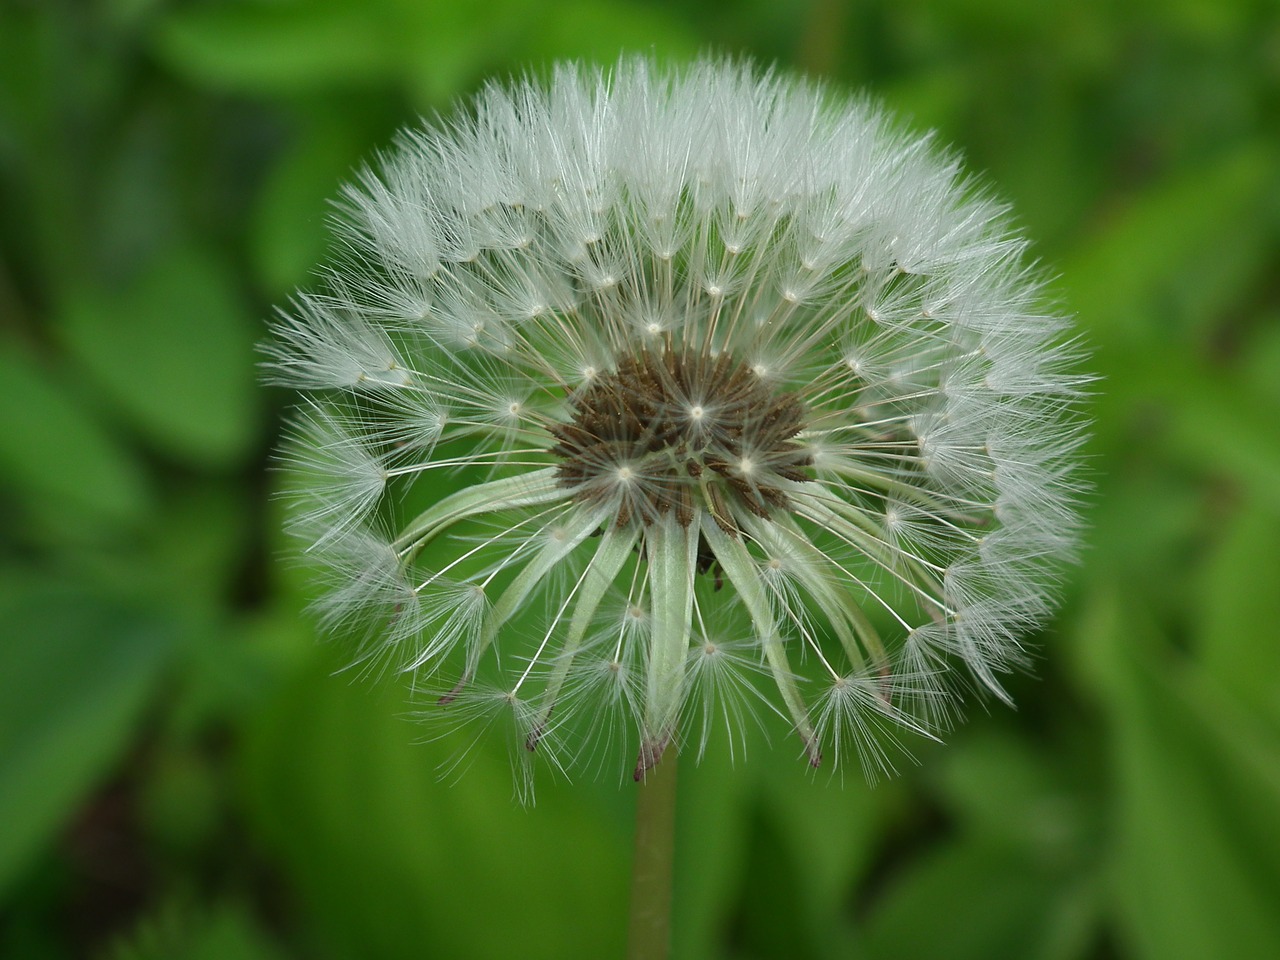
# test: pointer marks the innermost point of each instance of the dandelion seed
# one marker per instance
(707, 346)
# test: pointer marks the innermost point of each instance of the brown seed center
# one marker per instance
(667, 430)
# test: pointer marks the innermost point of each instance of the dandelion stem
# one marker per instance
(649, 937)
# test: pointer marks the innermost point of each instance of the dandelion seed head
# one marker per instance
(651, 402)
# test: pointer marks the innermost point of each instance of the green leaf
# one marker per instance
(275, 48)
(1197, 879)
(829, 825)
(56, 454)
(339, 786)
(1153, 556)
(1261, 357)
(1219, 426)
(1016, 875)
(175, 351)
(1174, 405)
(447, 47)
(596, 31)
(972, 899)
(1131, 281)
(1015, 792)
(196, 933)
(711, 844)
(1197, 855)
(185, 563)
(291, 228)
(1240, 611)
(75, 670)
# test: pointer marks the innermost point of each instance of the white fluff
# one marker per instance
(502, 264)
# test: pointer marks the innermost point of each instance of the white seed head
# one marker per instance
(712, 390)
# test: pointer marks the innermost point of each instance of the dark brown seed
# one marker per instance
(633, 417)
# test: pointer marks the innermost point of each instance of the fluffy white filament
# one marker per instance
(504, 264)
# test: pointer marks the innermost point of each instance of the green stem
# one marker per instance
(649, 937)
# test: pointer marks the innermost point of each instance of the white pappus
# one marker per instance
(744, 401)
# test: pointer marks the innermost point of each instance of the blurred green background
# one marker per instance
(181, 775)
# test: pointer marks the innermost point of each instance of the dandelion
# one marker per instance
(748, 405)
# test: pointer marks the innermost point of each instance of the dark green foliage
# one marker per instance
(181, 774)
